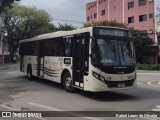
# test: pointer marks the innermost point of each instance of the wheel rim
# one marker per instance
(68, 82)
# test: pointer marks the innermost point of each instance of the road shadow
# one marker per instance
(47, 83)
(137, 94)
(108, 96)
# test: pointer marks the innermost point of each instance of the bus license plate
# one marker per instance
(120, 85)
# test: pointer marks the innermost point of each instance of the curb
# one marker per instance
(8, 66)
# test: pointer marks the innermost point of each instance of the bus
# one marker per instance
(92, 59)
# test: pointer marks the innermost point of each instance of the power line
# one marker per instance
(69, 21)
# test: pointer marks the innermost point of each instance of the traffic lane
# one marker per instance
(148, 76)
(52, 94)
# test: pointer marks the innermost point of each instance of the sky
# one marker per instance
(71, 10)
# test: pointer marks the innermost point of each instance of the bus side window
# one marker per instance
(35, 48)
(58, 47)
(68, 46)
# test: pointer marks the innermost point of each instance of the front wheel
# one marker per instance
(29, 73)
(68, 83)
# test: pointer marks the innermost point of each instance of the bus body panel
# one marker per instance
(99, 85)
(30, 60)
(54, 66)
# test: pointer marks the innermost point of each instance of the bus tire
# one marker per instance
(29, 72)
(68, 83)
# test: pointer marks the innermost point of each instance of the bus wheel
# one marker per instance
(29, 72)
(68, 83)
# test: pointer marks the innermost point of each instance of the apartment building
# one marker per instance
(140, 14)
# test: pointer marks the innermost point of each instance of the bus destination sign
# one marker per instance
(110, 32)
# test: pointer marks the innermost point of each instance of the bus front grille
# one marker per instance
(118, 84)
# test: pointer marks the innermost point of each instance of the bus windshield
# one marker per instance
(115, 52)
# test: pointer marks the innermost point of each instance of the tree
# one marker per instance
(23, 22)
(5, 3)
(105, 23)
(61, 27)
(143, 45)
(65, 27)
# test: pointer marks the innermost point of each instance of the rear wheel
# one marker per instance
(68, 83)
(29, 72)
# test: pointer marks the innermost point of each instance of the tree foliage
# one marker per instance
(65, 27)
(6, 3)
(143, 45)
(105, 23)
(23, 22)
(60, 27)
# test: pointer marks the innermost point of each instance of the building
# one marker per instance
(140, 14)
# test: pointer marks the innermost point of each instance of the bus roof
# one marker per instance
(65, 33)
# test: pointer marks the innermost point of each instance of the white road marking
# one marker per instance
(155, 109)
(55, 109)
(158, 106)
(10, 72)
(146, 73)
(150, 83)
(10, 108)
(150, 118)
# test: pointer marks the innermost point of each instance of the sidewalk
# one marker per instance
(8, 65)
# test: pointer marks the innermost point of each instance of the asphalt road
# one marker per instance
(17, 93)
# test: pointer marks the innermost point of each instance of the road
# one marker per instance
(17, 93)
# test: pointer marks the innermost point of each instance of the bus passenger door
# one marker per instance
(40, 71)
(78, 60)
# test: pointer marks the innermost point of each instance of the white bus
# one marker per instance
(91, 59)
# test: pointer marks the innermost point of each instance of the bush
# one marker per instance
(148, 66)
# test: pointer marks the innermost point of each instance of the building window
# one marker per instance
(88, 18)
(142, 2)
(103, 12)
(142, 18)
(131, 20)
(130, 5)
(95, 15)
(114, 8)
(151, 15)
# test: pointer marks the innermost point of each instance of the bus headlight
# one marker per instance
(99, 77)
(95, 75)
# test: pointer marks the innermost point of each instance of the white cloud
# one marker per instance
(73, 10)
